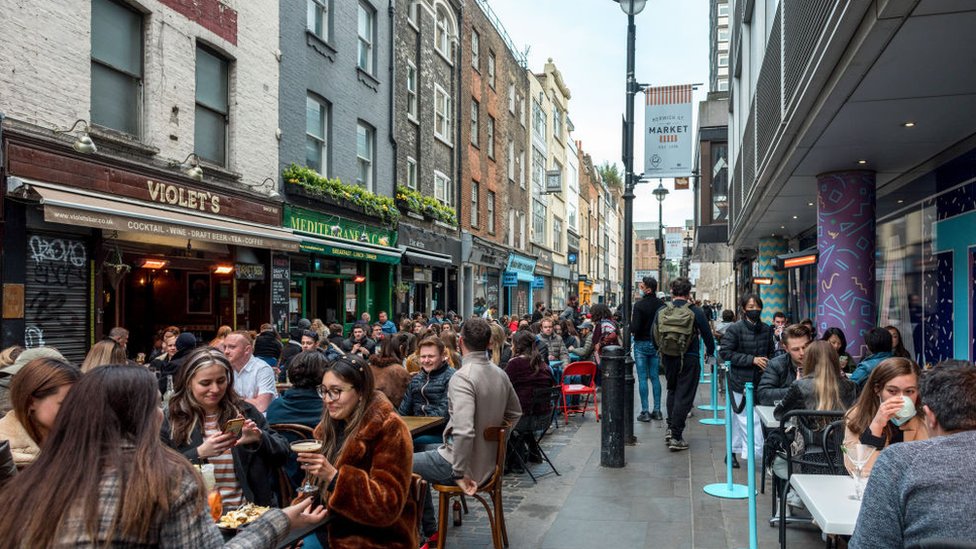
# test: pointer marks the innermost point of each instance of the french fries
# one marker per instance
(247, 514)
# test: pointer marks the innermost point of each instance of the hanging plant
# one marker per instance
(401, 289)
(115, 267)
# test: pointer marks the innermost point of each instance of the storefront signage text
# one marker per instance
(175, 195)
(520, 264)
(249, 271)
(509, 279)
(346, 253)
(538, 282)
(336, 227)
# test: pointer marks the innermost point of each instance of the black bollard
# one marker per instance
(612, 400)
(629, 380)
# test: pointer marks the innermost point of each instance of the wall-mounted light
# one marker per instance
(191, 167)
(223, 269)
(359, 279)
(268, 184)
(152, 263)
(83, 142)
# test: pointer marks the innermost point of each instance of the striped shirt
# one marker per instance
(226, 481)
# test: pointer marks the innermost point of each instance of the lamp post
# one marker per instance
(660, 193)
(631, 8)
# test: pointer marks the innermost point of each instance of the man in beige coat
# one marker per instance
(466, 458)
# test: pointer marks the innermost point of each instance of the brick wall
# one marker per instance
(48, 80)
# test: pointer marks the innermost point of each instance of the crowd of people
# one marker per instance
(152, 424)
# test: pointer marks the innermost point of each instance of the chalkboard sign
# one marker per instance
(280, 287)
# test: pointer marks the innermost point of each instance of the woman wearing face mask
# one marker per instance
(875, 419)
(747, 345)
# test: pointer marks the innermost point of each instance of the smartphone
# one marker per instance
(234, 426)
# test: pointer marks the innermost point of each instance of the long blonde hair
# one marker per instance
(823, 365)
(496, 343)
(106, 351)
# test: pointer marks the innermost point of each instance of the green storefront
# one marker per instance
(343, 269)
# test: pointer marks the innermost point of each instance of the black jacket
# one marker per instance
(255, 465)
(703, 331)
(742, 342)
(267, 345)
(776, 380)
(645, 311)
(8, 469)
(427, 393)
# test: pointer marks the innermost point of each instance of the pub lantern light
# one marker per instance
(223, 269)
(191, 167)
(83, 142)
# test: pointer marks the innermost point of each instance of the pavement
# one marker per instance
(654, 501)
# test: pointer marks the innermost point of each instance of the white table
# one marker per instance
(766, 416)
(827, 497)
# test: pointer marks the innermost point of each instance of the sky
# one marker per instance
(587, 40)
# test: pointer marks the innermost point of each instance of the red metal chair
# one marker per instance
(586, 369)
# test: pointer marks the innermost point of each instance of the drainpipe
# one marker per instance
(393, 82)
(457, 118)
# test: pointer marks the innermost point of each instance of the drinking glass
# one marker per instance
(309, 445)
(859, 454)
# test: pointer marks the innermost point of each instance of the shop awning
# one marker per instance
(417, 256)
(357, 251)
(74, 207)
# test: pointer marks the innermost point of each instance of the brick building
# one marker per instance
(153, 208)
(427, 153)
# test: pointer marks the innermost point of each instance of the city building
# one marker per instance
(498, 269)
(337, 159)
(140, 163)
(718, 46)
(851, 143)
(428, 84)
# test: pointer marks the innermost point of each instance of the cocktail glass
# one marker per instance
(306, 446)
(858, 454)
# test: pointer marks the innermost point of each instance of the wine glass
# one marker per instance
(309, 445)
(859, 454)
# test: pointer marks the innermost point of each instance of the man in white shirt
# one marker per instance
(254, 379)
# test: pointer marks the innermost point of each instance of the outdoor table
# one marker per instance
(828, 498)
(767, 417)
(419, 424)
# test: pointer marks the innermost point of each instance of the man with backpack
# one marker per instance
(679, 329)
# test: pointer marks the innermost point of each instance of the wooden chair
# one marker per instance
(492, 488)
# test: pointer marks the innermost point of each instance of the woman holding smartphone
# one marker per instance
(366, 463)
(104, 479)
(208, 422)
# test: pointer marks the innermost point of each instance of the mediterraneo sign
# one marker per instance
(333, 226)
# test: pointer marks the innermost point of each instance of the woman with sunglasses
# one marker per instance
(245, 460)
(105, 480)
(366, 463)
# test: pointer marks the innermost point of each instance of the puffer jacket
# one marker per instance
(742, 342)
(776, 380)
(427, 393)
(555, 345)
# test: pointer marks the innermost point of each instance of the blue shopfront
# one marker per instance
(926, 262)
(519, 282)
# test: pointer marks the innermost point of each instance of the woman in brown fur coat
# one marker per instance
(365, 466)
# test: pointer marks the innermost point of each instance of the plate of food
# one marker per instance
(232, 521)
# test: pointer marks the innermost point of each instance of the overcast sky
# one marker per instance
(587, 40)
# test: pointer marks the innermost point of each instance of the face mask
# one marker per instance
(906, 413)
(753, 316)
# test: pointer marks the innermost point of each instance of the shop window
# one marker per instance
(116, 66)
(474, 122)
(365, 137)
(367, 37)
(491, 69)
(411, 90)
(210, 122)
(316, 132)
(443, 122)
(319, 19)
(476, 50)
(411, 173)
(490, 213)
(538, 222)
(490, 137)
(475, 203)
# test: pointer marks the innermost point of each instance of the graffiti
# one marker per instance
(58, 250)
(33, 337)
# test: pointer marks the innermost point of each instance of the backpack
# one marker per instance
(608, 333)
(674, 330)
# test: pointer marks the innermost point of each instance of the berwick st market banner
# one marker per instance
(667, 140)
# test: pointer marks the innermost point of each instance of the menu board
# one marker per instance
(280, 275)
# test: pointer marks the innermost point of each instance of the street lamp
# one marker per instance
(631, 8)
(660, 193)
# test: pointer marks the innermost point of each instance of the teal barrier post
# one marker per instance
(713, 403)
(751, 467)
(726, 489)
(703, 378)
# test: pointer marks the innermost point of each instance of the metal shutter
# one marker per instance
(56, 294)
